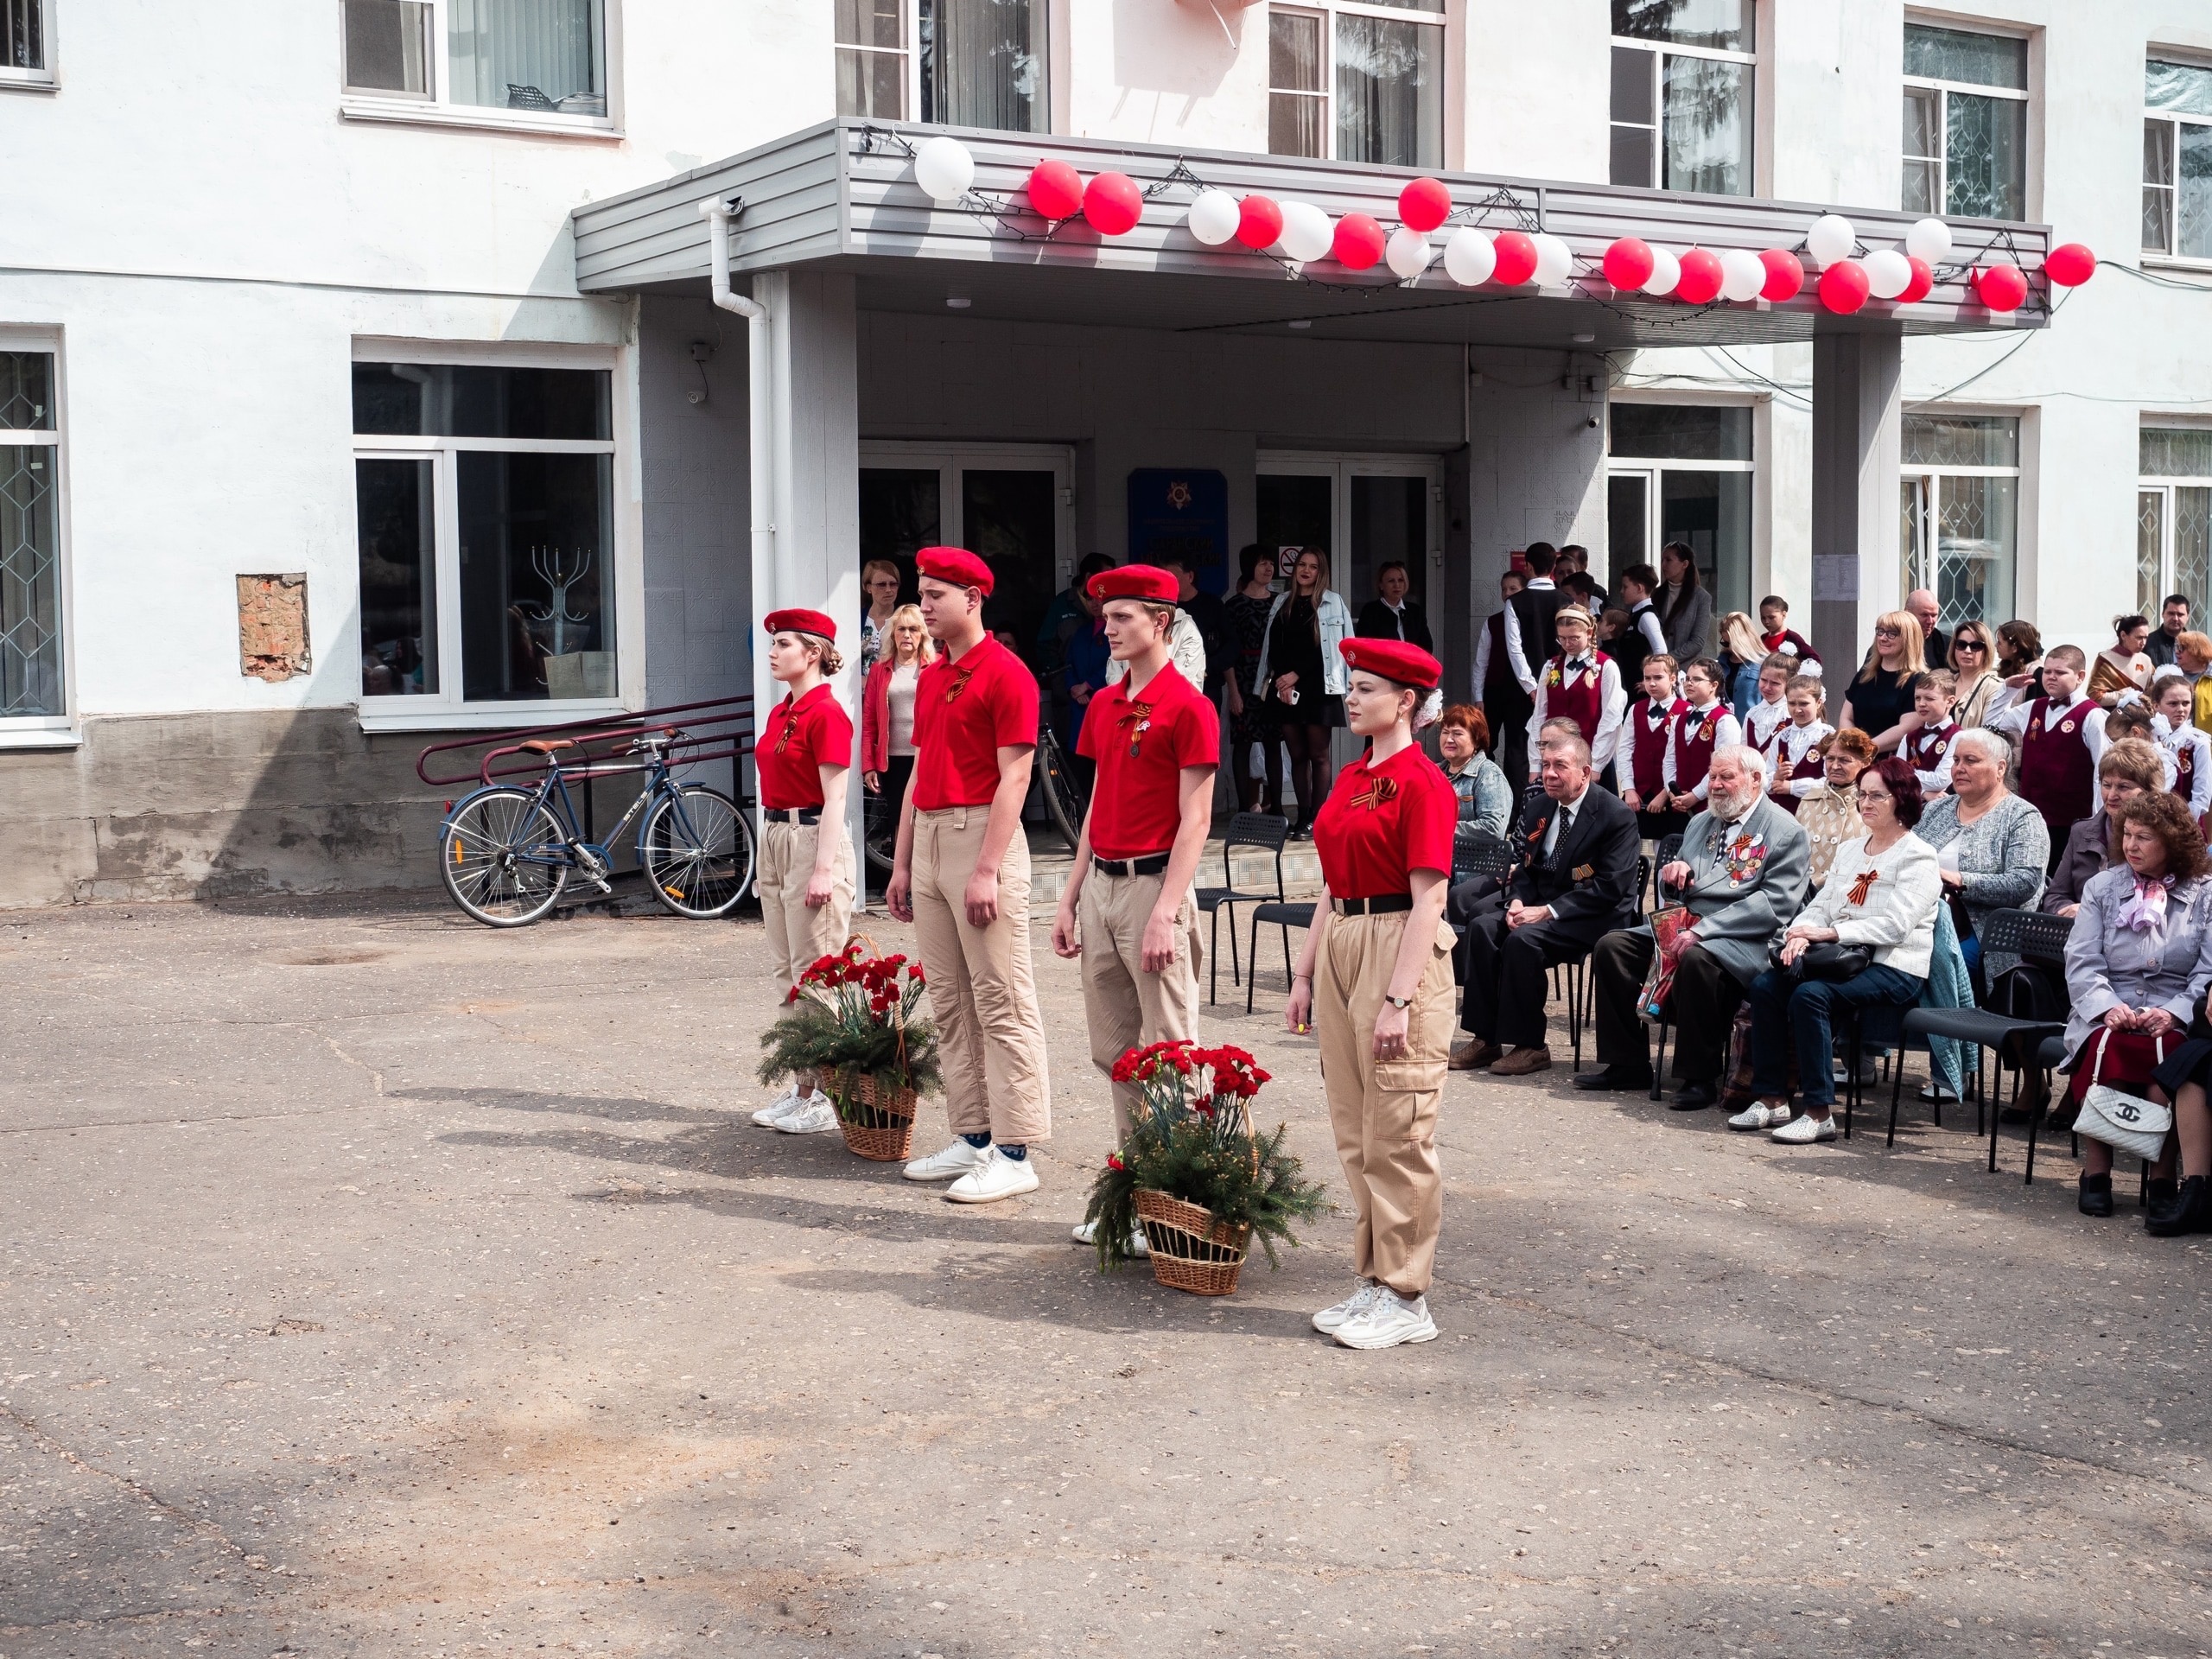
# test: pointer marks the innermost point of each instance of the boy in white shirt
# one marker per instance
(1700, 729)
(1935, 694)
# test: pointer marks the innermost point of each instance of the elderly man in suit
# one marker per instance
(1575, 882)
(1742, 873)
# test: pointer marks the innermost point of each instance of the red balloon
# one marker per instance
(1055, 190)
(1359, 241)
(1113, 203)
(1701, 276)
(1423, 205)
(1259, 222)
(1844, 286)
(1629, 264)
(1923, 283)
(2070, 264)
(2002, 287)
(1785, 274)
(1516, 259)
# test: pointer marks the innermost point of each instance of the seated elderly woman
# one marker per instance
(2128, 769)
(1993, 845)
(1486, 800)
(1828, 813)
(1881, 895)
(2137, 967)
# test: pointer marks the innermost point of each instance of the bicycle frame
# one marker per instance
(552, 793)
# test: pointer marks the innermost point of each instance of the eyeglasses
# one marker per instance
(1968, 644)
(1893, 633)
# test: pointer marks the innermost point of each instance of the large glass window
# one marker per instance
(483, 498)
(2177, 159)
(535, 58)
(1681, 94)
(1683, 472)
(1958, 514)
(22, 42)
(1357, 82)
(872, 59)
(30, 539)
(1966, 124)
(982, 63)
(2173, 518)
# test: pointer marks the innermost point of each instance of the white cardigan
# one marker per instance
(1897, 915)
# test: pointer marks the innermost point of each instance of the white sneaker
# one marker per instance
(780, 1106)
(951, 1164)
(1329, 1320)
(1759, 1115)
(996, 1177)
(1386, 1321)
(1805, 1131)
(814, 1116)
(1087, 1234)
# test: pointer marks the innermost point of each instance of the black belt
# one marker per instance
(1388, 904)
(792, 814)
(1150, 864)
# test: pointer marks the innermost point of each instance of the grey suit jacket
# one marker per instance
(1742, 901)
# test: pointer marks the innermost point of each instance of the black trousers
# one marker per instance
(1508, 983)
(1466, 900)
(1706, 998)
(1507, 713)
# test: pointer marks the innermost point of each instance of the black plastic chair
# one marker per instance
(2020, 1041)
(1263, 829)
(1297, 913)
(1668, 848)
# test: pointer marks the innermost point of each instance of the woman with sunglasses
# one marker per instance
(1974, 659)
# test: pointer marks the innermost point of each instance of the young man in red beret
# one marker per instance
(961, 875)
(1127, 910)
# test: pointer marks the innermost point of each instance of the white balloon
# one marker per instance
(1307, 232)
(1742, 275)
(1830, 238)
(1888, 273)
(1213, 217)
(1666, 271)
(1929, 239)
(944, 168)
(1409, 252)
(1554, 260)
(1470, 257)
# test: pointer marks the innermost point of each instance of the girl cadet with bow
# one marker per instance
(1375, 977)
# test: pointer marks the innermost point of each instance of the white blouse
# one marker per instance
(1887, 902)
(904, 679)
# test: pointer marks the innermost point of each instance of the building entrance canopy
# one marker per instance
(844, 196)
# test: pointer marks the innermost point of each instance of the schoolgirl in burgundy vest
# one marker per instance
(1651, 726)
(1696, 738)
(1584, 702)
(2057, 776)
(1807, 765)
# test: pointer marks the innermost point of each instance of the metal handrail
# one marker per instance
(727, 736)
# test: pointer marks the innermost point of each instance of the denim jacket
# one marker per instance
(1334, 617)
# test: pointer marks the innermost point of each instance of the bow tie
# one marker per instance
(1576, 665)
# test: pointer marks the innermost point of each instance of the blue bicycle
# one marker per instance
(506, 853)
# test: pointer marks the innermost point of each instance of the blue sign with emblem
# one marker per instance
(1181, 512)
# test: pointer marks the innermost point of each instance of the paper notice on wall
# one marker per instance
(1835, 578)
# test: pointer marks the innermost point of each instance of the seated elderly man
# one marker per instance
(1742, 875)
(1575, 882)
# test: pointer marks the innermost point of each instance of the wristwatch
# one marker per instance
(1400, 1002)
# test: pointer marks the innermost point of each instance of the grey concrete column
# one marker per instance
(1856, 372)
(811, 556)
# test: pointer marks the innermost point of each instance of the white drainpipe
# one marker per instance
(761, 483)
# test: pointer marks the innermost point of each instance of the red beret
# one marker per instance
(956, 565)
(801, 622)
(1147, 581)
(1394, 659)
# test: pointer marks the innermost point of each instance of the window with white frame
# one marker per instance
(1959, 513)
(982, 63)
(484, 496)
(874, 60)
(2177, 159)
(537, 59)
(1357, 82)
(1966, 124)
(1683, 472)
(2173, 518)
(31, 686)
(1681, 94)
(26, 51)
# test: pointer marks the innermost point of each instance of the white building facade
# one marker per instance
(360, 382)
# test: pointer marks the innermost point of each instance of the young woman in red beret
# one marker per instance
(1375, 981)
(804, 756)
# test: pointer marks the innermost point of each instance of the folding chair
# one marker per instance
(1262, 829)
(1284, 915)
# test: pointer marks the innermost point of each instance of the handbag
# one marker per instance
(1830, 961)
(2125, 1122)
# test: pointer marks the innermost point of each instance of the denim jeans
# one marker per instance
(1784, 1013)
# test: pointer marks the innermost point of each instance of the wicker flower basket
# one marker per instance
(1190, 1250)
(878, 1121)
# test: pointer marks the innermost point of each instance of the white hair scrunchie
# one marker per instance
(1429, 710)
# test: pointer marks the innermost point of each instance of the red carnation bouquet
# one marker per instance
(856, 1021)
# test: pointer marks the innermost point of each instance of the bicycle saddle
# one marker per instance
(548, 745)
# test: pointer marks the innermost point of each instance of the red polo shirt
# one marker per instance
(801, 739)
(964, 714)
(1380, 823)
(1142, 745)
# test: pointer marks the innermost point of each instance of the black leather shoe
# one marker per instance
(1618, 1078)
(2187, 1210)
(1693, 1096)
(2096, 1195)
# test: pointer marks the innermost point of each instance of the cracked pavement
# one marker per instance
(376, 1283)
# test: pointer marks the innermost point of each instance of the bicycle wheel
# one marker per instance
(1063, 796)
(503, 856)
(879, 831)
(697, 849)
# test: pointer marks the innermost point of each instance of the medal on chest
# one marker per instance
(1747, 853)
(1137, 717)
